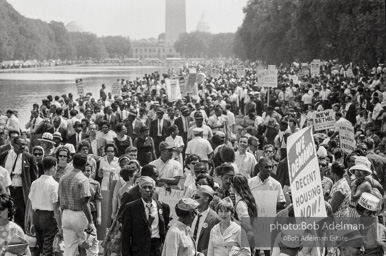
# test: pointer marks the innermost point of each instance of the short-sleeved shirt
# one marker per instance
(73, 186)
(44, 193)
(170, 169)
(245, 163)
(200, 147)
(270, 184)
(207, 134)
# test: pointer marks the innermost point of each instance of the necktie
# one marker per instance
(186, 124)
(14, 164)
(149, 217)
(196, 227)
(33, 124)
(77, 138)
(159, 128)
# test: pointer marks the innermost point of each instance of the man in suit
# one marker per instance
(97, 144)
(350, 110)
(134, 193)
(110, 117)
(56, 128)
(144, 223)
(78, 136)
(133, 124)
(206, 218)
(182, 123)
(158, 129)
(32, 125)
(11, 135)
(24, 171)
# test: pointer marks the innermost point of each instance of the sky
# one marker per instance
(134, 18)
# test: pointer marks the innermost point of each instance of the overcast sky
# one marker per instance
(134, 18)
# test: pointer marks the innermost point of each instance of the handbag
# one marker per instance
(58, 244)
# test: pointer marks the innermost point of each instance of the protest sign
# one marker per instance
(349, 73)
(216, 73)
(271, 67)
(115, 89)
(182, 83)
(79, 86)
(191, 87)
(315, 67)
(267, 78)
(241, 71)
(324, 120)
(200, 78)
(170, 198)
(346, 137)
(305, 69)
(304, 173)
(173, 89)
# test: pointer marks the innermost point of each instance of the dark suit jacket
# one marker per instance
(178, 122)
(203, 239)
(5, 148)
(154, 129)
(136, 230)
(113, 121)
(351, 114)
(72, 139)
(29, 171)
(129, 197)
(62, 131)
(282, 174)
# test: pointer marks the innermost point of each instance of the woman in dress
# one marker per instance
(108, 171)
(175, 140)
(145, 145)
(122, 141)
(225, 237)
(340, 192)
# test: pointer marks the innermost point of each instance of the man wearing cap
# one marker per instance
(199, 123)
(133, 124)
(226, 174)
(206, 218)
(74, 195)
(178, 240)
(183, 123)
(23, 171)
(144, 222)
(170, 170)
(199, 110)
(218, 121)
(58, 142)
(32, 125)
(159, 128)
(199, 146)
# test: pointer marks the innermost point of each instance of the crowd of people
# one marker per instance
(85, 171)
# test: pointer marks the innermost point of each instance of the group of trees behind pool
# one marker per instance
(273, 31)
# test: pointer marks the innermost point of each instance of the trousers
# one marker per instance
(74, 224)
(46, 229)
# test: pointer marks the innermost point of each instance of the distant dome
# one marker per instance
(74, 26)
(202, 25)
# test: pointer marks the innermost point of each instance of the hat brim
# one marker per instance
(45, 140)
(361, 168)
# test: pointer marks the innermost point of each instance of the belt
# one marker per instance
(44, 211)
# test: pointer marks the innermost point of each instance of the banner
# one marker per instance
(349, 73)
(200, 78)
(79, 87)
(346, 137)
(315, 67)
(191, 87)
(170, 198)
(173, 89)
(115, 89)
(324, 120)
(267, 78)
(304, 173)
(305, 69)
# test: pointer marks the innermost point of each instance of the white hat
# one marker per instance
(197, 130)
(47, 137)
(322, 152)
(369, 201)
(361, 163)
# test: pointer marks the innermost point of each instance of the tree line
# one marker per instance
(283, 31)
(22, 38)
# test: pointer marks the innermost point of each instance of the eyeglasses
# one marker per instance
(62, 155)
(268, 167)
(268, 151)
(193, 162)
(196, 197)
(38, 154)
(323, 165)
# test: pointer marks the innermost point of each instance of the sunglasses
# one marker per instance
(323, 165)
(38, 154)
(196, 197)
(193, 162)
(62, 156)
(269, 166)
(110, 151)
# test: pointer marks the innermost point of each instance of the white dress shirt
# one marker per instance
(203, 214)
(154, 214)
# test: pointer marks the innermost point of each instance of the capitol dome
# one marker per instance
(202, 25)
(74, 26)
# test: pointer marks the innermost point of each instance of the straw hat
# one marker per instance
(361, 163)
